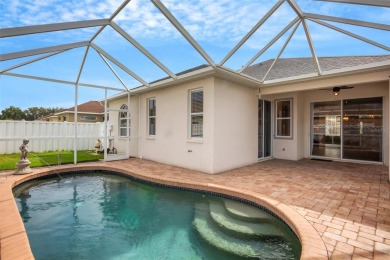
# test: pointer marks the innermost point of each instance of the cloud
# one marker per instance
(219, 23)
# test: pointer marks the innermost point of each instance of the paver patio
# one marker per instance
(348, 204)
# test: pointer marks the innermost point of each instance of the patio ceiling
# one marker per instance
(118, 68)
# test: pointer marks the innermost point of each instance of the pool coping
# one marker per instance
(14, 242)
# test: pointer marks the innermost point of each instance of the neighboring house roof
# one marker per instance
(292, 67)
(94, 107)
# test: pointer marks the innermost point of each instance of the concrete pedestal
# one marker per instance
(23, 167)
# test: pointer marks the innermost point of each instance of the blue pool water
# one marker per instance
(109, 216)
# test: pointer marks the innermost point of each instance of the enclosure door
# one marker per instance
(326, 129)
(264, 129)
(363, 129)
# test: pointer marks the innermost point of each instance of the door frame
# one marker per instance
(270, 123)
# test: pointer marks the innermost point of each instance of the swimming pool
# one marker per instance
(109, 216)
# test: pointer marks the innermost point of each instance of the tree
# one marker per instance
(12, 113)
(34, 113)
(30, 114)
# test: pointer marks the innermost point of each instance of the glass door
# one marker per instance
(264, 129)
(363, 129)
(326, 129)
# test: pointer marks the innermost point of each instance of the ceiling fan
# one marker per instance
(336, 90)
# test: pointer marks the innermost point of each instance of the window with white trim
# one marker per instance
(123, 127)
(196, 113)
(283, 108)
(152, 116)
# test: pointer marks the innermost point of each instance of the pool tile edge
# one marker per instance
(313, 247)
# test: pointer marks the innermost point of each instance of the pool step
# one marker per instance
(214, 236)
(220, 216)
(244, 211)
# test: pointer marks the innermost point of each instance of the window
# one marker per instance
(196, 113)
(283, 118)
(151, 116)
(88, 118)
(123, 127)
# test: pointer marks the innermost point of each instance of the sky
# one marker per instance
(216, 25)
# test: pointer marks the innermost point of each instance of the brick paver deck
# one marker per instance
(347, 204)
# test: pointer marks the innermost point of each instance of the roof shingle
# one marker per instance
(292, 67)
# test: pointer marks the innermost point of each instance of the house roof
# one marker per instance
(94, 107)
(285, 70)
(292, 67)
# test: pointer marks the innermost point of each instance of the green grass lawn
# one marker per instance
(8, 161)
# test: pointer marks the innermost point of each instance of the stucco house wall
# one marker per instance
(287, 148)
(235, 125)
(229, 134)
(230, 130)
(372, 84)
(172, 143)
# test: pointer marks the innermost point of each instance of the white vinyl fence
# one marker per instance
(47, 136)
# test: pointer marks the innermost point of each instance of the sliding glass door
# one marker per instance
(362, 131)
(326, 129)
(350, 129)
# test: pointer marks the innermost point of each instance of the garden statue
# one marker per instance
(98, 146)
(23, 164)
(24, 149)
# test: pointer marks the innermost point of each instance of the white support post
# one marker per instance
(32, 52)
(120, 65)
(128, 126)
(351, 34)
(280, 34)
(281, 51)
(58, 81)
(75, 124)
(378, 26)
(160, 6)
(311, 45)
(31, 61)
(44, 28)
(382, 3)
(139, 128)
(113, 71)
(252, 31)
(105, 126)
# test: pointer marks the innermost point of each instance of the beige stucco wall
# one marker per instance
(287, 148)
(235, 125)
(299, 146)
(230, 122)
(370, 84)
(229, 135)
(172, 144)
